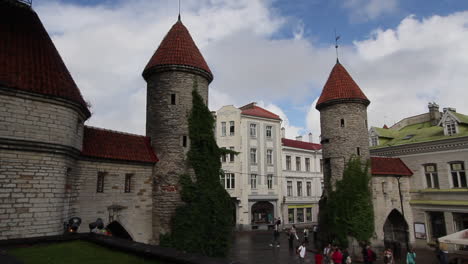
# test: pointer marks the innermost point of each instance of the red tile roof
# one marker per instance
(253, 110)
(340, 86)
(178, 48)
(29, 60)
(300, 144)
(108, 144)
(385, 126)
(389, 166)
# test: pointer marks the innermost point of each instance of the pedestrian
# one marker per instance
(301, 251)
(337, 256)
(326, 254)
(368, 255)
(318, 258)
(306, 235)
(314, 230)
(442, 253)
(388, 256)
(346, 257)
(291, 234)
(275, 235)
(411, 257)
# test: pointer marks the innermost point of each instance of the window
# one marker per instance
(231, 128)
(269, 157)
(291, 215)
(432, 179)
(128, 183)
(268, 131)
(253, 130)
(374, 141)
(309, 188)
(299, 188)
(173, 99)
(100, 181)
(223, 129)
(298, 163)
(342, 122)
(307, 164)
(253, 181)
(228, 180)
(184, 141)
(451, 128)
(270, 181)
(458, 175)
(300, 215)
(288, 162)
(289, 188)
(253, 155)
(309, 214)
(231, 155)
(358, 151)
(223, 156)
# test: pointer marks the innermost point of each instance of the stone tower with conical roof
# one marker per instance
(175, 69)
(343, 122)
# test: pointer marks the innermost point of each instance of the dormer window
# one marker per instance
(450, 128)
(374, 141)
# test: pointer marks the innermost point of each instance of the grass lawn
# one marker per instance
(74, 252)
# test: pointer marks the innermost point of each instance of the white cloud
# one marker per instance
(362, 10)
(400, 69)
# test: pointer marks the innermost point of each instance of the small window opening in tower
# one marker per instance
(342, 122)
(358, 151)
(172, 99)
(366, 123)
(184, 141)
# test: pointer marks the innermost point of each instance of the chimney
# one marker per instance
(283, 132)
(299, 138)
(434, 113)
(310, 138)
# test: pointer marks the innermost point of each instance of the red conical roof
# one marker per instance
(178, 48)
(29, 60)
(340, 87)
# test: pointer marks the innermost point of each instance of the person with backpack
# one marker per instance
(388, 256)
(411, 257)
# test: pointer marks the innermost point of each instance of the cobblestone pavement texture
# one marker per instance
(254, 248)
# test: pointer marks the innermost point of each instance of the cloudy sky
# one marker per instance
(402, 53)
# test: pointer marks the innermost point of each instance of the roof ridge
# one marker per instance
(115, 131)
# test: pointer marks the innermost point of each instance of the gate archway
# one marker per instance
(117, 230)
(395, 232)
(262, 212)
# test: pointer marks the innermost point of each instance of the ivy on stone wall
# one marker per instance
(348, 209)
(203, 224)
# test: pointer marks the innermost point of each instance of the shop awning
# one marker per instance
(459, 238)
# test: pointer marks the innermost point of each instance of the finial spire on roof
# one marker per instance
(336, 46)
(178, 19)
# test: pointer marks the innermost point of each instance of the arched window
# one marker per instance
(342, 122)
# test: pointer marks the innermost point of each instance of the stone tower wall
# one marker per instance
(40, 137)
(167, 124)
(339, 142)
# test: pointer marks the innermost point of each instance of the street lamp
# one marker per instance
(403, 213)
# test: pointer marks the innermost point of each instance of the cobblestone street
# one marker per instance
(254, 248)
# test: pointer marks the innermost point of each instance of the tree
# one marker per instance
(348, 211)
(203, 224)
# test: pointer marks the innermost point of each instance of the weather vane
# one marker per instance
(336, 46)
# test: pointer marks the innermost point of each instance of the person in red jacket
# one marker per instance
(337, 256)
(318, 258)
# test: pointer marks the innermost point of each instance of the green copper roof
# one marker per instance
(416, 133)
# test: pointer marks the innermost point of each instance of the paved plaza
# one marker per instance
(254, 248)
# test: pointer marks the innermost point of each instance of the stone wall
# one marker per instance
(167, 125)
(33, 196)
(136, 215)
(341, 142)
(31, 118)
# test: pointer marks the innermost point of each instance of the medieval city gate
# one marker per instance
(395, 232)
